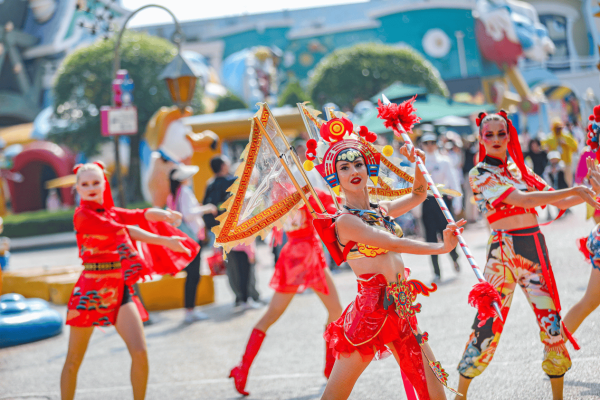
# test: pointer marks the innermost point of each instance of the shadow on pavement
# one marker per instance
(594, 388)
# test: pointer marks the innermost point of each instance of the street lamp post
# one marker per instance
(177, 38)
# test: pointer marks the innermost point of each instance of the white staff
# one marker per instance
(481, 287)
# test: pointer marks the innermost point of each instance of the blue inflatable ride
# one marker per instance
(26, 320)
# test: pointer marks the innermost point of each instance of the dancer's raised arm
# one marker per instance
(396, 208)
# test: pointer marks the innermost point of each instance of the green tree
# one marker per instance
(230, 102)
(84, 84)
(356, 73)
(292, 93)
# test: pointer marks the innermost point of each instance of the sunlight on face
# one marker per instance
(494, 137)
(90, 186)
(352, 174)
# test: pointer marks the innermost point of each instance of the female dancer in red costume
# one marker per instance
(301, 264)
(382, 318)
(102, 296)
(508, 193)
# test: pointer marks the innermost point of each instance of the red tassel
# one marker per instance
(404, 114)
(482, 297)
(570, 337)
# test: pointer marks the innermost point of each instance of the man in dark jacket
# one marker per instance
(240, 270)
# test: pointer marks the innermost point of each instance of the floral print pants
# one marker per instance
(519, 257)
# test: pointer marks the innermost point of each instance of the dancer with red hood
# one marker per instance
(103, 296)
(507, 194)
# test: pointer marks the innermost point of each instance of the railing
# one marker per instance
(562, 64)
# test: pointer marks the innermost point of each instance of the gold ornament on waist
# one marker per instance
(102, 266)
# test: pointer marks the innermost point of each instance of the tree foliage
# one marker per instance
(356, 73)
(230, 102)
(292, 93)
(84, 84)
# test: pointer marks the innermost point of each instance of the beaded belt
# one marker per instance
(102, 266)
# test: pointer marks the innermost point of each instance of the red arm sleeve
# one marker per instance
(90, 222)
(130, 217)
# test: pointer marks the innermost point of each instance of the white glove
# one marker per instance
(457, 205)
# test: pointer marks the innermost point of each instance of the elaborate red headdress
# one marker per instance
(344, 143)
(514, 149)
(107, 199)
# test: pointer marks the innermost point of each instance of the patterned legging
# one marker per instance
(519, 257)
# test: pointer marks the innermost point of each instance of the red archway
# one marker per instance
(39, 162)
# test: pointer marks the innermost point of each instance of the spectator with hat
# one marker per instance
(181, 198)
(554, 173)
(442, 171)
(562, 141)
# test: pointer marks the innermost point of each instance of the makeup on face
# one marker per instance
(90, 186)
(494, 136)
(354, 172)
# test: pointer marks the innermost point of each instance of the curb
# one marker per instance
(43, 241)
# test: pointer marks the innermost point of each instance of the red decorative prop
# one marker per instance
(335, 129)
(404, 113)
(482, 296)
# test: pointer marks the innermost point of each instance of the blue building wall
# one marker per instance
(316, 48)
(267, 37)
(407, 28)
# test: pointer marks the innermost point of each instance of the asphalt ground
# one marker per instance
(193, 361)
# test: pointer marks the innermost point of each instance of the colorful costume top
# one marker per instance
(383, 222)
(101, 233)
(492, 180)
(590, 247)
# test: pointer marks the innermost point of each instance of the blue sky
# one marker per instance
(186, 10)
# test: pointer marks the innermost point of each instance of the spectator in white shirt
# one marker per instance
(442, 171)
(181, 198)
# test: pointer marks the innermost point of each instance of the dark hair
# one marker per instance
(491, 117)
(534, 141)
(216, 163)
(173, 183)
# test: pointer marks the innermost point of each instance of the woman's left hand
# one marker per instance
(411, 156)
(173, 218)
(175, 243)
(593, 174)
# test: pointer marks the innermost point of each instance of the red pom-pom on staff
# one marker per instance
(597, 112)
(482, 297)
(404, 114)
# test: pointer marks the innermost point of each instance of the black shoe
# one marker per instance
(456, 266)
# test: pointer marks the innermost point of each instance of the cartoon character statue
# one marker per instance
(252, 73)
(172, 142)
(507, 30)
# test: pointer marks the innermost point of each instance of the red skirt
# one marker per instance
(96, 299)
(301, 264)
(365, 326)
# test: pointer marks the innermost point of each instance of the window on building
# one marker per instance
(557, 31)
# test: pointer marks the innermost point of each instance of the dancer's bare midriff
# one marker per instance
(389, 265)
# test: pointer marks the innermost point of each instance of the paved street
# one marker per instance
(193, 361)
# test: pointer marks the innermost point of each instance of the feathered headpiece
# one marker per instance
(343, 144)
